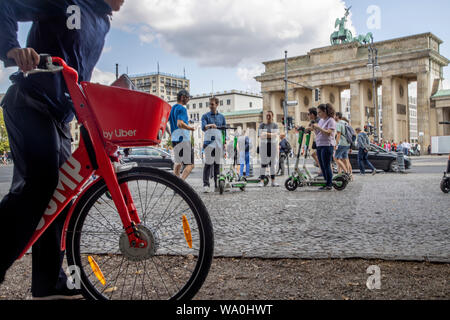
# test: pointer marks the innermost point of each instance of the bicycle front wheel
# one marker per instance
(175, 223)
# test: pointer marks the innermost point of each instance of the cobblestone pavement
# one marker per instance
(388, 216)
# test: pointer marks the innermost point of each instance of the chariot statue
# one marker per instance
(344, 35)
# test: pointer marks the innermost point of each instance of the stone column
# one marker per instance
(388, 110)
(440, 118)
(408, 113)
(423, 109)
(298, 97)
(355, 107)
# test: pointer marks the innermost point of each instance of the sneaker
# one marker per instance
(65, 294)
(261, 184)
(206, 189)
(275, 185)
(374, 172)
(325, 188)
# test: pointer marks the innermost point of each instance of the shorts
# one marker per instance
(314, 146)
(342, 152)
(174, 144)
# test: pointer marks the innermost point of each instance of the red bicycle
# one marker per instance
(134, 232)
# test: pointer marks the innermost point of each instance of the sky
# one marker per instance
(221, 44)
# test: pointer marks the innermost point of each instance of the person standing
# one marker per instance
(268, 133)
(325, 141)
(363, 153)
(211, 121)
(285, 149)
(313, 118)
(245, 145)
(181, 140)
(342, 145)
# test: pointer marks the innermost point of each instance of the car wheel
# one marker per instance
(393, 166)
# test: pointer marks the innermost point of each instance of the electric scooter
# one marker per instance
(302, 177)
(229, 179)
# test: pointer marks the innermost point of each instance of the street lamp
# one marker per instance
(373, 63)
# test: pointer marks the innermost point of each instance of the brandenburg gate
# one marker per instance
(344, 66)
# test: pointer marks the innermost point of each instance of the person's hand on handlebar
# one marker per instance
(26, 58)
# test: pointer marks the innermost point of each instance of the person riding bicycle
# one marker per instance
(37, 113)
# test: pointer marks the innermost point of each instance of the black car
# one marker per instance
(149, 157)
(380, 158)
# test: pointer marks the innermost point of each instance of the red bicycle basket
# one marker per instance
(127, 118)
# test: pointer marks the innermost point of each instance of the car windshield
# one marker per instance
(376, 148)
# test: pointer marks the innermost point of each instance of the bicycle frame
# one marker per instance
(77, 170)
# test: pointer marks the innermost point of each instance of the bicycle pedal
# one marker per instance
(122, 167)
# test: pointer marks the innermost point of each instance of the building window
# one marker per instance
(194, 106)
(250, 105)
(221, 102)
(200, 105)
(207, 105)
(228, 102)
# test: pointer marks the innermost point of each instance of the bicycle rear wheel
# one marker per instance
(175, 223)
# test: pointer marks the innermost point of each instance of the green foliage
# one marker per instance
(4, 142)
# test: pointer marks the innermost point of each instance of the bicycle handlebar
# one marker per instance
(445, 122)
(227, 127)
(45, 65)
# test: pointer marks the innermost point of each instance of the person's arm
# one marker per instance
(182, 125)
(204, 123)
(14, 11)
(183, 119)
(338, 138)
(328, 130)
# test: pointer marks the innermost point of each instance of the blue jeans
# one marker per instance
(325, 155)
(247, 165)
(363, 160)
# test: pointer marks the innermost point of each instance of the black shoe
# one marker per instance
(325, 188)
(65, 294)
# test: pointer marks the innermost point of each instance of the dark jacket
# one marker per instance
(80, 48)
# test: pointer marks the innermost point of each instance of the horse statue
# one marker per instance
(343, 35)
(368, 38)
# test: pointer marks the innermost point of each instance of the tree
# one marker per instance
(4, 142)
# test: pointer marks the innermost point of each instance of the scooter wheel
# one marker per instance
(266, 181)
(340, 183)
(221, 186)
(445, 185)
(291, 184)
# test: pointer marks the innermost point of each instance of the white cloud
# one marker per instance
(102, 77)
(446, 84)
(247, 76)
(232, 33)
(107, 50)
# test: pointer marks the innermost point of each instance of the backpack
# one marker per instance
(350, 134)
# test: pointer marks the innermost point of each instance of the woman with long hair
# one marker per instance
(325, 141)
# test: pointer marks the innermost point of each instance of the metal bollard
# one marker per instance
(401, 162)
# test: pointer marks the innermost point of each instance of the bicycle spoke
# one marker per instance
(160, 271)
